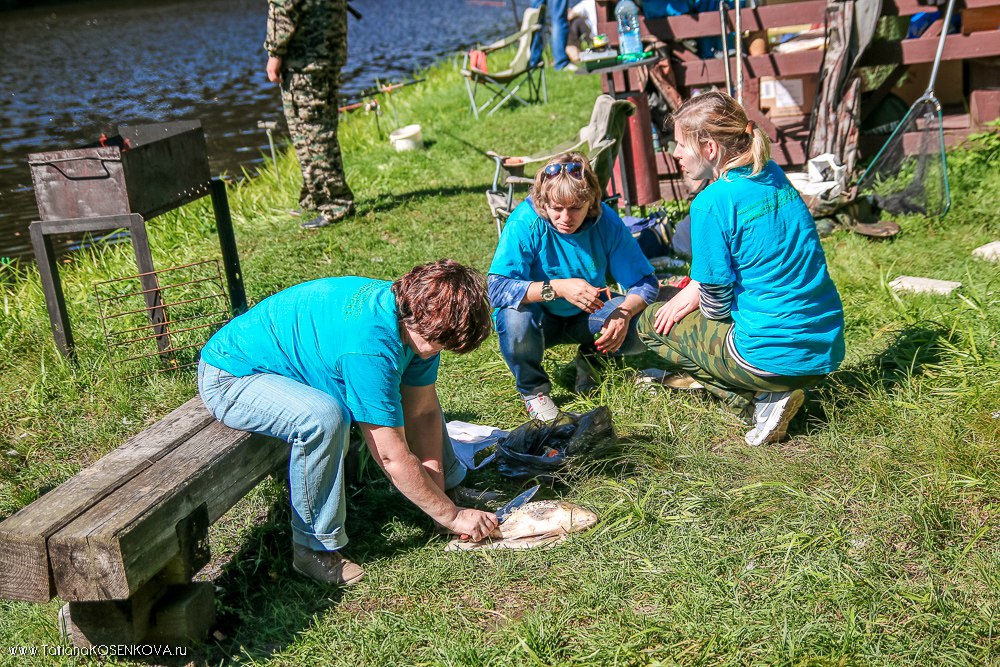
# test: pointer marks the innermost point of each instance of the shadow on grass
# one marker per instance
(383, 203)
(913, 348)
(263, 605)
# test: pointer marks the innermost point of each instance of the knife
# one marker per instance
(519, 501)
(504, 512)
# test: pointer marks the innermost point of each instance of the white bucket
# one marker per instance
(407, 138)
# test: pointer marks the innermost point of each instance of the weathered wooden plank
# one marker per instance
(24, 562)
(701, 72)
(706, 24)
(910, 7)
(913, 51)
(122, 542)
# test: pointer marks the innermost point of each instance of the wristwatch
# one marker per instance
(548, 294)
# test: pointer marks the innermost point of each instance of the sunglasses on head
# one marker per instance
(574, 169)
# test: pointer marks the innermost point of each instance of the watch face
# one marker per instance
(548, 293)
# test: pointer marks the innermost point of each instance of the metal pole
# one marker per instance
(227, 244)
(940, 48)
(269, 126)
(725, 45)
(55, 302)
(739, 53)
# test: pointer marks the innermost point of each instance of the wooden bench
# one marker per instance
(120, 541)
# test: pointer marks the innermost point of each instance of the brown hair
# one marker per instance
(445, 302)
(719, 117)
(565, 190)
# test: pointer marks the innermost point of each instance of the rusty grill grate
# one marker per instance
(158, 321)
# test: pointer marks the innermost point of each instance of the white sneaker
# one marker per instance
(541, 407)
(772, 411)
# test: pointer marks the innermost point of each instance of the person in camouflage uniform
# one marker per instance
(307, 46)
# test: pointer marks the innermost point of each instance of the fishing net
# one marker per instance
(909, 174)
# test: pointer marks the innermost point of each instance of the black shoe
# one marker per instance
(317, 222)
(329, 217)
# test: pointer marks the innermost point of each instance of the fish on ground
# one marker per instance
(536, 524)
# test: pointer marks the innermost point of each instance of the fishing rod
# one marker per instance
(359, 101)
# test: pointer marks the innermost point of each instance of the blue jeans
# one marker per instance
(556, 11)
(317, 426)
(527, 331)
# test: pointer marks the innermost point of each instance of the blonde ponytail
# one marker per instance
(760, 150)
(719, 117)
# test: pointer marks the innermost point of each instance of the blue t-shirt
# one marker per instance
(531, 249)
(338, 335)
(755, 233)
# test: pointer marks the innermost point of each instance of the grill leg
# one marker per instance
(227, 243)
(48, 271)
(150, 285)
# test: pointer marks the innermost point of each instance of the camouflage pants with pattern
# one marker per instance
(311, 109)
(697, 345)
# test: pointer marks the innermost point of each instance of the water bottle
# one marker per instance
(629, 46)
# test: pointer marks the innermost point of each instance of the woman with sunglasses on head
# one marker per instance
(761, 319)
(549, 275)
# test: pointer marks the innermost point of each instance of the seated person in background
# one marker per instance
(761, 319)
(549, 272)
(579, 36)
(303, 363)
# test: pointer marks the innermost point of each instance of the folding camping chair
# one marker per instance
(503, 86)
(599, 140)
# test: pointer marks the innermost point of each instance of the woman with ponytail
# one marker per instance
(761, 319)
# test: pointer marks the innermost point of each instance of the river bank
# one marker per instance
(76, 70)
(870, 537)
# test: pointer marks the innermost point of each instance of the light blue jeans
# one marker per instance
(527, 331)
(317, 426)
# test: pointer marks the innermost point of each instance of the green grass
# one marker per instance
(868, 538)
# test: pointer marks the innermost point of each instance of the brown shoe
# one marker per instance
(327, 567)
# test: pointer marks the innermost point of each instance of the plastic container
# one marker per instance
(629, 44)
(407, 138)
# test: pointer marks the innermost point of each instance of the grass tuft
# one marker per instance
(868, 538)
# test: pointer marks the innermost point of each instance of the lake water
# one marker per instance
(76, 70)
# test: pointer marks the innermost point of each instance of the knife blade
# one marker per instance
(519, 500)
(504, 512)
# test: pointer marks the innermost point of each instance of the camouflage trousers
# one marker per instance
(697, 345)
(311, 109)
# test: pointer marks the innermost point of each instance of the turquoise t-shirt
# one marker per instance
(338, 335)
(531, 249)
(755, 233)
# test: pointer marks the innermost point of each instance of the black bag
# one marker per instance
(658, 236)
(542, 449)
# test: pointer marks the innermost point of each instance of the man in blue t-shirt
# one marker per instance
(306, 362)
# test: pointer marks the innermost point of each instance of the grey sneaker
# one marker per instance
(541, 407)
(772, 412)
(326, 567)
(587, 377)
